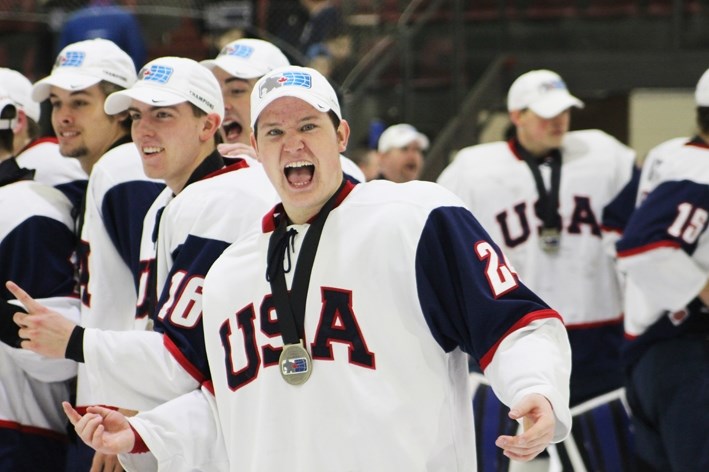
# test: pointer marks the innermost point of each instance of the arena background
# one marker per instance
(442, 65)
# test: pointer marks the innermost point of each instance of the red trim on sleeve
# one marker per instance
(524, 321)
(209, 386)
(596, 324)
(648, 247)
(611, 229)
(182, 360)
(139, 447)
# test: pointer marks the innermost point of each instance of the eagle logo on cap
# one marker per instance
(70, 59)
(293, 79)
(238, 50)
(156, 73)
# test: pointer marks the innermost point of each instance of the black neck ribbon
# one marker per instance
(290, 307)
(547, 206)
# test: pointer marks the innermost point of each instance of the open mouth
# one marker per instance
(232, 130)
(150, 150)
(300, 173)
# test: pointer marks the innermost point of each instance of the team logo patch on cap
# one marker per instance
(71, 59)
(156, 73)
(552, 85)
(287, 79)
(238, 50)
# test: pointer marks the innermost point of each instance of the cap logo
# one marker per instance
(156, 73)
(552, 85)
(238, 50)
(71, 59)
(286, 79)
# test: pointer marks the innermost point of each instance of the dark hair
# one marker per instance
(333, 117)
(8, 112)
(108, 88)
(703, 119)
(198, 113)
(33, 129)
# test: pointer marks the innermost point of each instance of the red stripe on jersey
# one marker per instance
(648, 247)
(209, 386)
(521, 323)
(4, 424)
(597, 324)
(182, 360)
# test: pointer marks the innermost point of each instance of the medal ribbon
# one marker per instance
(547, 207)
(291, 307)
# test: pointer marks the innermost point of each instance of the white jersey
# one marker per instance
(117, 199)
(497, 186)
(664, 251)
(195, 228)
(53, 169)
(351, 169)
(403, 282)
(579, 280)
(651, 171)
(36, 248)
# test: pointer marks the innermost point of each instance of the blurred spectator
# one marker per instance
(367, 160)
(323, 40)
(401, 149)
(317, 32)
(104, 19)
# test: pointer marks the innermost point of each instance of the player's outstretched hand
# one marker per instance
(105, 430)
(539, 423)
(44, 331)
(236, 150)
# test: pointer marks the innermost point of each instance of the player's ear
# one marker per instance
(514, 117)
(210, 126)
(343, 134)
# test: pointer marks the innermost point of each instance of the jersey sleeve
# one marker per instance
(472, 297)
(470, 294)
(657, 247)
(182, 434)
(142, 373)
(179, 313)
(123, 209)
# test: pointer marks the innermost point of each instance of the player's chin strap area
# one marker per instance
(295, 361)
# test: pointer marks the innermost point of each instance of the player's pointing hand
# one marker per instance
(43, 331)
(539, 423)
(105, 430)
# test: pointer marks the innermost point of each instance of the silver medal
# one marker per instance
(550, 239)
(295, 364)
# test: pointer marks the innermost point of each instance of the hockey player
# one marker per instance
(36, 152)
(541, 196)
(663, 256)
(118, 193)
(362, 365)
(37, 243)
(237, 67)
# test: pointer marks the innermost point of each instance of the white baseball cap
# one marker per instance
(399, 136)
(167, 81)
(701, 95)
(248, 58)
(304, 83)
(7, 123)
(542, 91)
(85, 63)
(18, 88)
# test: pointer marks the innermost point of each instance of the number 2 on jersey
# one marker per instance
(500, 274)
